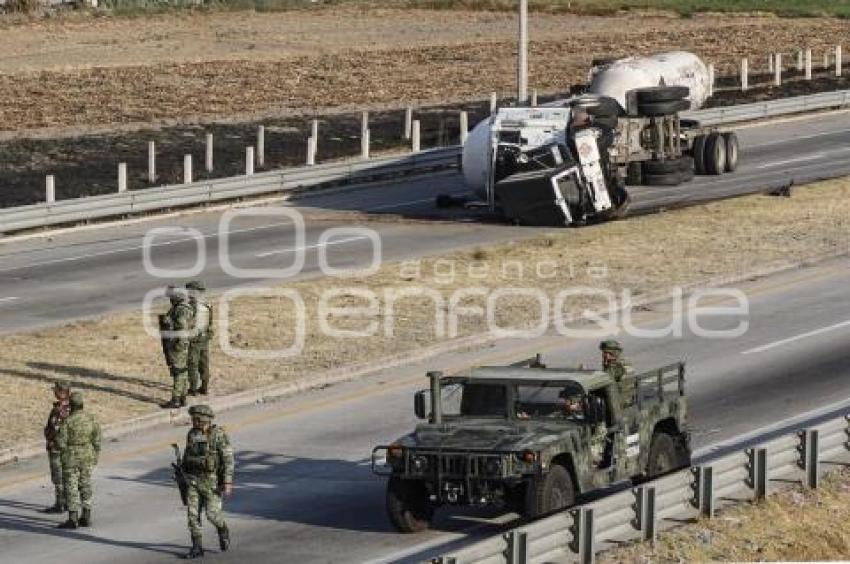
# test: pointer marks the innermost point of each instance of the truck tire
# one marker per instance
(634, 174)
(715, 154)
(669, 179)
(698, 153)
(684, 163)
(408, 506)
(660, 109)
(666, 454)
(731, 139)
(661, 94)
(551, 492)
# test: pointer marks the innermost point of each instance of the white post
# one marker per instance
(364, 123)
(364, 144)
(493, 101)
(408, 121)
(464, 127)
(533, 97)
(808, 64)
(800, 56)
(261, 145)
(522, 56)
(249, 161)
(826, 60)
(314, 135)
(187, 169)
(770, 62)
(151, 162)
(777, 74)
(208, 160)
(50, 189)
(311, 151)
(838, 60)
(745, 74)
(122, 177)
(711, 79)
(415, 135)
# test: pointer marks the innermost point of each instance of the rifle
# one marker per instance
(179, 476)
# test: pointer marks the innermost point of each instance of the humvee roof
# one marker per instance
(587, 379)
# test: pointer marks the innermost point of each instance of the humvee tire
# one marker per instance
(666, 454)
(553, 491)
(408, 506)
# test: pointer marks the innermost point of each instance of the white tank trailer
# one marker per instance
(569, 162)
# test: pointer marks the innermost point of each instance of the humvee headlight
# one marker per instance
(420, 463)
(493, 466)
(395, 451)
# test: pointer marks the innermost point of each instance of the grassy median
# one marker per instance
(120, 367)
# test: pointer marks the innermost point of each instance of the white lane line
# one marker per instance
(9, 299)
(401, 204)
(802, 137)
(314, 246)
(811, 157)
(801, 336)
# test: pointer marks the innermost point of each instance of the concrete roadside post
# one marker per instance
(122, 177)
(800, 55)
(311, 151)
(493, 102)
(808, 64)
(533, 97)
(50, 189)
(415, 147)
(770, 60)
(261, 146)
(710, 79)
(826, 60)
(151, 162)
(522, 55)
(838, 60)
(464, 126)
(208, 156)
(745, 74)
(364, 135)
(777, 73)
(408, 123)
(187, 169)
(249, 161)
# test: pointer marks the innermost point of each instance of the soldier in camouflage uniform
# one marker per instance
(199, 344)
(619, 369)
(58, 414)
(79, 446)
(208, 466)
(180, 321)
(165, 326)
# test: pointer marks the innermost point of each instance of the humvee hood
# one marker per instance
(486, 437)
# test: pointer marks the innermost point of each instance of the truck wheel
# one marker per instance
(661, 94)
(682, 164)
(731, 139)
(715, 154)
(408, 506)
(668, 179)
(666, 454)
(660, 109)
(634, 174)
(698, 153)
(553, 491)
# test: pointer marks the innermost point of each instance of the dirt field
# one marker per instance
(795, 525)
(120, 367)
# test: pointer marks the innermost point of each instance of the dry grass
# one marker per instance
(792, 525)
(120, 366)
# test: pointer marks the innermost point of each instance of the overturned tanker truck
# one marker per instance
(569, 162)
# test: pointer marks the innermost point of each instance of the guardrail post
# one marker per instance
(464, 126)
(444, 560)
(249, 161)
(261, 146)
(50, 189)
(838, 60)
(122, 177)
(810, 457)
(777, 70)
(494, 101)
(415, 135)
(705, 491)
(808, 64)
(364, 144)
(517, 552)
(585, 534)
(758, 472)
(208, 155)
(647, 517)
(187, 169)
(745, 74)
(533, 97)
(311, 151)
(408, 122)
(151, 162)
(711, 79)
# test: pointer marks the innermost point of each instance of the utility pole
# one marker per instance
(522, 58)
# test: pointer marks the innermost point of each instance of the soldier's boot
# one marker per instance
(223, 538)
(193, 391)
(58, 507)
(85, 518)
(182, 401)
(197, 550)
(71, 523)
(203, 389)
(173, 404)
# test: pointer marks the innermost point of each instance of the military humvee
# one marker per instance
(532, 439)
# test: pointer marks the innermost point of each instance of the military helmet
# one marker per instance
(76, 399)
(62, 385)
(201, 412)
(175, 293)
(197, 285)
(611, 345)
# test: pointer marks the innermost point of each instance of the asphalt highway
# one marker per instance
(304, 489)
(65, 275)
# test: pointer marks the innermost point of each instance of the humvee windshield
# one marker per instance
(549, 402)
(562, 400)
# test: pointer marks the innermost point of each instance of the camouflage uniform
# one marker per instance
(79, 445)
(208, 466)
(179, 319)
(58, 414)
(199, 344)
(619, 370)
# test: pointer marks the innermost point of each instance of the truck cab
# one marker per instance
(532, 439)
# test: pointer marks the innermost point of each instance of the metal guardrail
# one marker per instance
(577, 534)
(353, 171)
